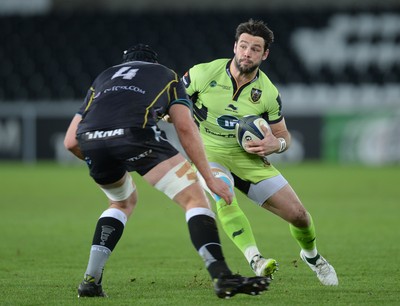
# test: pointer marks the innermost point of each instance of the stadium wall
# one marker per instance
(338, 73)
(211, 5)
(31, 132)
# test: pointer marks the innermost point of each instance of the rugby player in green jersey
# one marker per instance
(223, 91)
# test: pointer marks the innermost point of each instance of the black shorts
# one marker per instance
(110, 153)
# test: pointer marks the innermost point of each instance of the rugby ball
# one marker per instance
(249, 128)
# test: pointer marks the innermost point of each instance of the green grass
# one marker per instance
(48, 213)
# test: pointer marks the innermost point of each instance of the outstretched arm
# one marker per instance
(190, 139)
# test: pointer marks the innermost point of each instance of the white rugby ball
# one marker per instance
(249, 128)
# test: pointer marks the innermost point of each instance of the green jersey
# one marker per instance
(219, 103)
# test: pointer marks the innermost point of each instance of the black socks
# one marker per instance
(204, 235)
(108, 232)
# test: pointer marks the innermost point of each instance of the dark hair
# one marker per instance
(255, 28)
(140, 52)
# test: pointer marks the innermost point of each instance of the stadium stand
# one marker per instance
(56, 56)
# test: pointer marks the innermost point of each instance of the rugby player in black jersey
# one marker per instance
(115, 131)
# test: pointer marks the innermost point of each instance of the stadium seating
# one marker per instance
(56, 56)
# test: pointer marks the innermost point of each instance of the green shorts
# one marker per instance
(248, 167)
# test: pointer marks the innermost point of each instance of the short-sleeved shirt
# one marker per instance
(118, 130)
(219, 103)
(133, 94)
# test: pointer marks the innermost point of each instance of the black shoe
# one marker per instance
(90, 289)
(227, 286)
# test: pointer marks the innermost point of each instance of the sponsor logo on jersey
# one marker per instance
(207, 130)
(231, 108)
(255, 95)
(215, 84)
(227, 122)
(130, 88)
(104, 134)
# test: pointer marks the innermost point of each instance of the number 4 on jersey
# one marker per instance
(127, 73)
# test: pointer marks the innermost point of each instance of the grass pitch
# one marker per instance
(48, 213)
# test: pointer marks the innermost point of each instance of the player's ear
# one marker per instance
(234, 47)
(265, 55)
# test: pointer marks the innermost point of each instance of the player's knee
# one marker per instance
(218, 173)
(192, 197)
(227, 179)
(300, 218)
(177, 179)
(125, 194)
(127, 205)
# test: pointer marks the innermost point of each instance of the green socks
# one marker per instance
(305, 237)
(235, 224)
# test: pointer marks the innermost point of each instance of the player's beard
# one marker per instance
(245, 70)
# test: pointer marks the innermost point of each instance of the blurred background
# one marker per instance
(336, 64)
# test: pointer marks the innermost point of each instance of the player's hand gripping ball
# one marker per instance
(249, 128)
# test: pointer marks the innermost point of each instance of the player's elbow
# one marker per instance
(70, 143)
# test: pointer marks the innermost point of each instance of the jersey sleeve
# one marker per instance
(192, 80)
(87, 101)
(200, 76)
(273, 112)
(276, 114)
(178, 95)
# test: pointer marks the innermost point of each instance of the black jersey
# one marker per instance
(131, 95)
